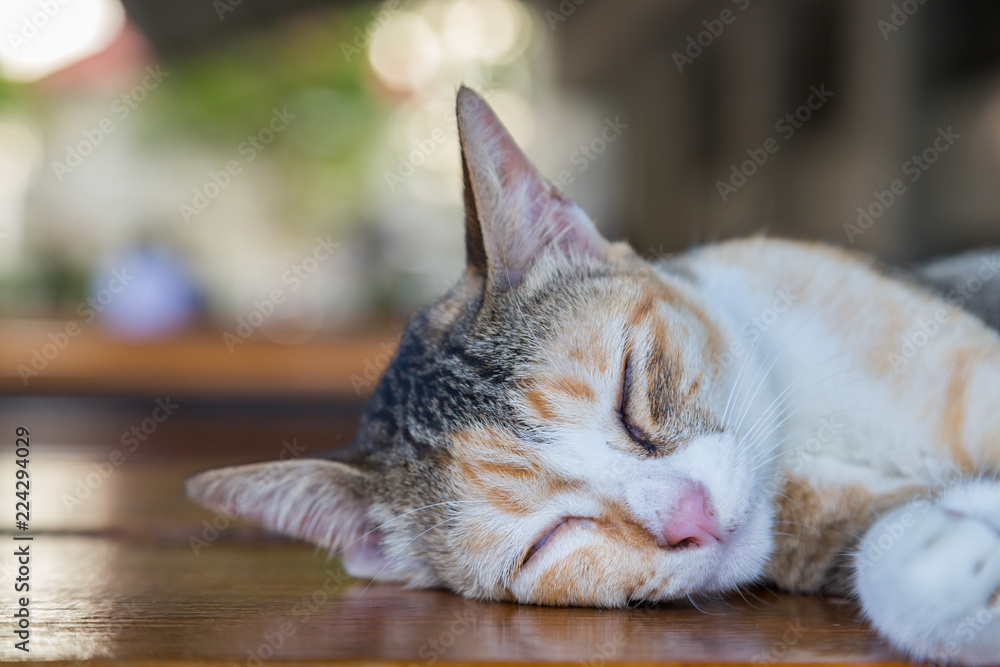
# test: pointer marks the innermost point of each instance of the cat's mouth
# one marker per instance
(551, 533)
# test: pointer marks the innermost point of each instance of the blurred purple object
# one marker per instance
(142, 293)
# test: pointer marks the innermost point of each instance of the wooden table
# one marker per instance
(115, 579)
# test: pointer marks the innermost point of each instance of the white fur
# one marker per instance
(926, 573)
(927, 592)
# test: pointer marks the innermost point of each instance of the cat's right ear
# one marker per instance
(322, 501)
(513, 214)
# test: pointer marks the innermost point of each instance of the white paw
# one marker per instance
(928, 575)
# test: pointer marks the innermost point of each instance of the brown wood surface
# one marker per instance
(115, 577)
(197, 363)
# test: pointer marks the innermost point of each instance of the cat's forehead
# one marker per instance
(470, 358)
(433, 386)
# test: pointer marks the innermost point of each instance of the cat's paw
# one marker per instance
(928, 575)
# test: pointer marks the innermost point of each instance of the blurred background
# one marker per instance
(215, 216)
(210, 194)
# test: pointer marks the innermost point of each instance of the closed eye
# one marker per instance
(637, 435)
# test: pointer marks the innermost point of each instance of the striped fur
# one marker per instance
(544, 421)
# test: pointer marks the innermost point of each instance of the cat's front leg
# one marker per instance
(928, 575)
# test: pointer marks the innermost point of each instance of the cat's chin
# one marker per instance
(737, 559)
(743, 554)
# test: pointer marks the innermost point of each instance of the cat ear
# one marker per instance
(512, 213)
(317, 500)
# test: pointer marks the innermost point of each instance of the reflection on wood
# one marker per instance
(234, 600)
(124, 568)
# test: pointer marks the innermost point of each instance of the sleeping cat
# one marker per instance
(573, 425)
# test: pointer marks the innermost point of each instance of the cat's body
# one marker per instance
(573, 425)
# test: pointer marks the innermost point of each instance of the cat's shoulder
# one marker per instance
(760, 251)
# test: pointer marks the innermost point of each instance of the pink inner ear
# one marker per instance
(364, 558)
(521, 213)
(311, 499)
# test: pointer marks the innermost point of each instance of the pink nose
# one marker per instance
(692, 522)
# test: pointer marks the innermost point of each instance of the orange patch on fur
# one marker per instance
(574, 388)
(563, 584)
(546, 402)
(714, 343)
(620, 524)
(590, 355)
(954, 410)
(642, 311)
(695, 386)
(539, 403)
(497, 467)
(815, 529)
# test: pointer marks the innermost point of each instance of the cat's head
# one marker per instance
(552, 430)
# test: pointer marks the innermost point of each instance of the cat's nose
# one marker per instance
(692, 522)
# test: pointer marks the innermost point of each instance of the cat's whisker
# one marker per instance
(781, 350)
(816, 367)
(750, 604)
(695, 605)
(756, 597)
(739, 376)
(805, 375)
(778, 403)
(401, 550)
(758, 441)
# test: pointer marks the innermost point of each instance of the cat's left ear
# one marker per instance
(512, 213)
(322, 501)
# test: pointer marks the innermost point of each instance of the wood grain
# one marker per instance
(197, 364)
(117, 577)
